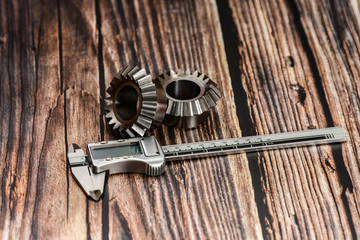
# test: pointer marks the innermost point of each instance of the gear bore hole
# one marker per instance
(183, 89)
(127, 103)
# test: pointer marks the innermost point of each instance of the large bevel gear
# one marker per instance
(190, 98)
(136, 103)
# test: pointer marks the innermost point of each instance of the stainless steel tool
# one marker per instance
(145, 155)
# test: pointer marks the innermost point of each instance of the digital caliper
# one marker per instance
(145, 155)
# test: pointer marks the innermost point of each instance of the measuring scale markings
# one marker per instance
(255, 143)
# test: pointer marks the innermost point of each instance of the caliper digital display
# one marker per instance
(117, 151)
(145, 155)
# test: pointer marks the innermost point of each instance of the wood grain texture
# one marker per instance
(30, 110)
(80, 77)
(58, 57)
(338, 58)
(35, 78)
(305, 189)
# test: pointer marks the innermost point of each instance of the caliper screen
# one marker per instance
(117, 151)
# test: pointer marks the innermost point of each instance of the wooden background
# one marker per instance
(58, 57)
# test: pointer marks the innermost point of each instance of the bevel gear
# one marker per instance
(190, 98)
(136, 103)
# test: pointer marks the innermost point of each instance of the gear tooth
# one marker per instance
(133, 71)
(108, 107)
(109, 90)
(207, 78)
(144, 122)
(196, 73)
(116, 78)
(121, 128)
(161, 80)
(209, 101)
(112, 121)
(182, 108)
(187, 71)
(117, 125)
(149, 103)
(213, 86)
(150, 96)
(109, 100)
(149, 106)
(115, 82)
(118, 75)
(203, 105)
(109, 115)
(144, 80)
(148, 88)
(180, 72)
(136, 128)
(214, 95)
(178, 109)
(174, 110)
(171, 73)
(195, 106)
(147, 113)
(201, 76)
(138, 74)
(188, 111)
(129, 133)
(125, 72)
(162, 77)
(170, 106)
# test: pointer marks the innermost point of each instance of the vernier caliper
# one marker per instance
(145, 155)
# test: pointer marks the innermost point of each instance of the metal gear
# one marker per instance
(190, 98)
(136, 103)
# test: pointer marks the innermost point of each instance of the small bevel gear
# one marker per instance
(190, 98)
(136, 103)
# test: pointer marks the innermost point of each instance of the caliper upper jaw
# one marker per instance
(92, 183)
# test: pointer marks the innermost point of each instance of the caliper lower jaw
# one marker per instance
(92, 183)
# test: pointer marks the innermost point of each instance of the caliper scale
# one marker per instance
(145, 155)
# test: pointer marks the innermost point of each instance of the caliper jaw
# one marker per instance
(92, 183)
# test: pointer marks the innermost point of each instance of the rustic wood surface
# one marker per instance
(58, 57)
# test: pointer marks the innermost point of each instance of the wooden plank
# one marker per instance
(333, 32)
(200, 199)
(30, 111)
(80, 74)
(39, 198)
(303, 187)
(83, 215)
